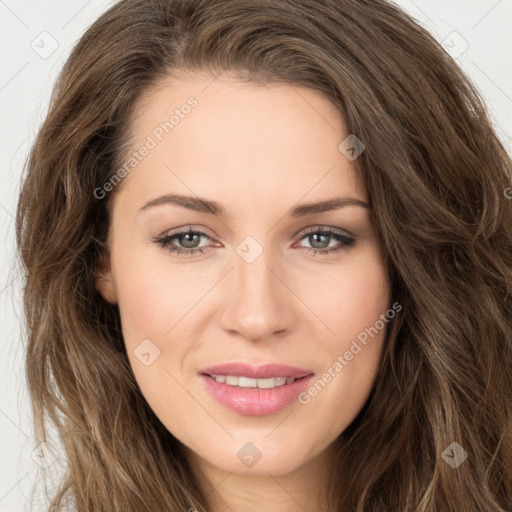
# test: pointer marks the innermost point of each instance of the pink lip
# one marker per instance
(255, 401)
(265, 371)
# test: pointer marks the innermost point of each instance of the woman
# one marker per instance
(268, 253)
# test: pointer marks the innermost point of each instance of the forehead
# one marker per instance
(222, 137)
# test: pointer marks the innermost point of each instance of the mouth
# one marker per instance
(255, 390)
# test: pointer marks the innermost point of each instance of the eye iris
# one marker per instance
(313, 238)
(188, 240)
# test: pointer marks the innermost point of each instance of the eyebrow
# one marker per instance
(214, 208)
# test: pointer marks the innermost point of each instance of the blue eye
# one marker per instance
(190, 239)
(316, 235)
(187, 238)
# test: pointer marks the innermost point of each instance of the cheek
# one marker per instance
(144, 305)
(354, 297)
(152, 295)
(156, 303)
(352, 307)
(152, 300)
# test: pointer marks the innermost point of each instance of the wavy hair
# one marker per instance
(436, 176)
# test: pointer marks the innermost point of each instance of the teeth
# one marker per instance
(247, 382)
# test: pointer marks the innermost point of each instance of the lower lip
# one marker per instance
(255, 401)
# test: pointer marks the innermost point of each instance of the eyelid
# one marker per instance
(186, 229)
(323, 228)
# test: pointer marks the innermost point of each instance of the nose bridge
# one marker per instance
(259, 303)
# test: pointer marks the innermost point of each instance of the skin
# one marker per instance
(259, 151)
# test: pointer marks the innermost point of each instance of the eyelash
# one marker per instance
(165, 241)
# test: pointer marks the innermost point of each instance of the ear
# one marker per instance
(104, 279)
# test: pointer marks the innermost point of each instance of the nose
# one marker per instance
(259, 304)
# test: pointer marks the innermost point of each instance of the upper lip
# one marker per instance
(265, 371)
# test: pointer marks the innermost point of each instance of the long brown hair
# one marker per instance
(436, 175)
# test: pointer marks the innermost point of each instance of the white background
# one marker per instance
(26, 78)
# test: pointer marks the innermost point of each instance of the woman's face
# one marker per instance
(256, 284)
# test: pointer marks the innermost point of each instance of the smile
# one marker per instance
(248, 382)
